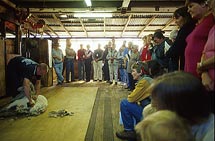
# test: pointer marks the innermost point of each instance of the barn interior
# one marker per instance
(29, 27)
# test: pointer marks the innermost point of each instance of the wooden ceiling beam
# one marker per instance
(128, 20)
(50, 29)
(46, 26)
(83, 27)
(9, 3)
(101, 3)
(48, 34)
(148, 23)
(168, 23)
(104, 27)
(61, 24)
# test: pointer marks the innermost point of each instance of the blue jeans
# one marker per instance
(123, 74)
(70, 68)
(59, 70)
(131, 111)
(80, 70)
(127, 79)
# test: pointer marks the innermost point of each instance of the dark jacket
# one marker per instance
(176, 51)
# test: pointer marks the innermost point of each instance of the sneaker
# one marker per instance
(126, 135)
(59, 83)
(130, 90)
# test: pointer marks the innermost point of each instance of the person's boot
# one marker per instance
(126, 135)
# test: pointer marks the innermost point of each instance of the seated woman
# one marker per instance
(164, 125)
(184, 94)
(132, 107)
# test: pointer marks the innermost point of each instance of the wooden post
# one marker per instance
(2, 68)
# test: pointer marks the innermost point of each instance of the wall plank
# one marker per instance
(2, 69)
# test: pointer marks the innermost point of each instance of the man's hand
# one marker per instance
(31, 103)
(34, 97)
(199, 68)
(207, 81)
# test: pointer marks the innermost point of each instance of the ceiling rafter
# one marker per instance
(61, 24)
(49, 28)
(148, 23)
(104, 27)
(128, 20)
(83, 27)
(48, 34)
(64, 24)
(168, 23)
(97, 3)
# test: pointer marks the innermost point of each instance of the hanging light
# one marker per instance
(88, 2)
(92, 15)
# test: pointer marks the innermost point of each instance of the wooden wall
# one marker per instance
(44, 57)
(42, 54)
(2, 68)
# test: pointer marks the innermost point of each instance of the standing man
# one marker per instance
(105, 61)
(97, 63)
(88, 60)
(81, 54)
(20, 72)
(58, 57)
(70, 58)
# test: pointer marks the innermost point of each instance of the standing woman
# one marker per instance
(186, 25)
(205, 67)
(145, 54)
(200, 11)
(112, 64)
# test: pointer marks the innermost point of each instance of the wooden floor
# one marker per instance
(104, 121)
(104, 118)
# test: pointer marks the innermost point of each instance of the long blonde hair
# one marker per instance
(164, 125)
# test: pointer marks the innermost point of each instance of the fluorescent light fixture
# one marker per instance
(92, 15)
(63, 16)
(88, 2)
(95, 10)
